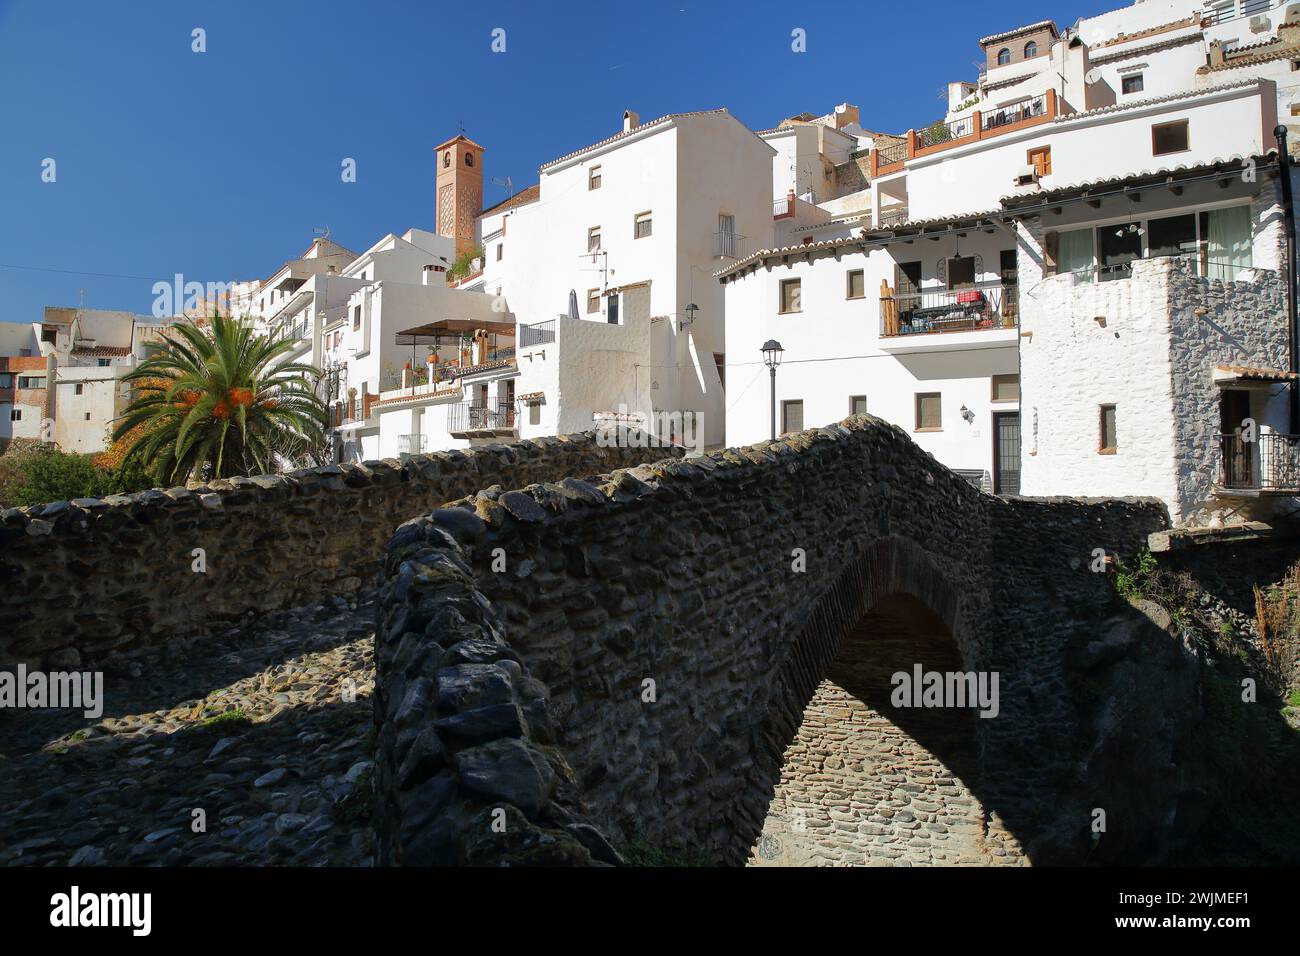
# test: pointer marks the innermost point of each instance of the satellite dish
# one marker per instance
(1092, 76)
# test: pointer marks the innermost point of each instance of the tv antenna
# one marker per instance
(506, 184)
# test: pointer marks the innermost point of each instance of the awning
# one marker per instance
(1248, 375)
(532, 398)
(444, 327)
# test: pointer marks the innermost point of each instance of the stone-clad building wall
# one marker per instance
(95, 574)
(655, 636)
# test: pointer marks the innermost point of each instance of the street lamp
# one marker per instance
(772, 352)
(690, 317)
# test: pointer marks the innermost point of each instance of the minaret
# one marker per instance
(460, 189)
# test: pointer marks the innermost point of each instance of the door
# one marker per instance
(1238, 462)
(508, 406)
(1006, 453)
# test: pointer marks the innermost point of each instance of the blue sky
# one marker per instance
(220, 165)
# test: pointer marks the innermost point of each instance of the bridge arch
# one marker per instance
(829, 726)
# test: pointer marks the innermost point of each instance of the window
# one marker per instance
(593, 301)
(446, 159)
(1169, 138)
(855, 285)
(593, 178)
(31, 381)
(1119, 245)
(49, 335)
(6, 380)
(857, 404)
(1131, 84)
(15, 414)
(642, 226)
(790, 296)
(1106, 428)
(792, 416)
(1227, 242)
(469, 159)
(356, 317)
(1031, 50)
(103, 363)
(1006, 388)
(25, 353)
(593, 239)
(611, 309)
(720, 361)
(929, 412)
(1041, 159)
(535, 413)
(1004, 56)
(500, 246)
(1171, 236)
(961, 271)
(78, 388)
(87, 416)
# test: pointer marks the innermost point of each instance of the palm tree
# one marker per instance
(215, 403)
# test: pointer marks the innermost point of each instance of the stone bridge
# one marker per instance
(691, 660)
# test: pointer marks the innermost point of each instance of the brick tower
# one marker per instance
(460, 189)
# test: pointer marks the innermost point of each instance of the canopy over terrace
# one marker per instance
(455, 334)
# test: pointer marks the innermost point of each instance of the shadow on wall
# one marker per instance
(635, 671)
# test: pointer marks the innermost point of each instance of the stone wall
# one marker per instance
(84, 577)
(680, 616)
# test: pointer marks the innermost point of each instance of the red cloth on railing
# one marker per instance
(969, 296)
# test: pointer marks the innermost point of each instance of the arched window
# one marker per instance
(1004, 56)
(469, 159)
(1031, 50)
(446, 159)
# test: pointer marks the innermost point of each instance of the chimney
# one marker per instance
(630, 121)
(435, 275)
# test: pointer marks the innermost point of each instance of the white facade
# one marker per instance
(1148, 344)
(676, 197)
(839, 357)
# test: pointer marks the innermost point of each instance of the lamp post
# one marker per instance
(772, 358)
(690, 317)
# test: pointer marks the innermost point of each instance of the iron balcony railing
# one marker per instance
(1026, 109)
(411, 444)
(937, 133)
(1269, 463)
(359, 408)
(728, 245)
(893, 153)
(475, 416)
(539, 333)
(983, 305)
(1227, 10)
(892, 216)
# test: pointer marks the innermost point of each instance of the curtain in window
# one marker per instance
(1228, 242)
(1075, 253)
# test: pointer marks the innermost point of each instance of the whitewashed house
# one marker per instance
(658, 207)
(933, 312)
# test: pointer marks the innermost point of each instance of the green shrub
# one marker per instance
(34, 476)
(56, 476)
(1133, 582)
